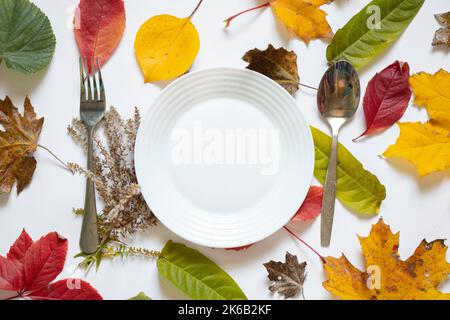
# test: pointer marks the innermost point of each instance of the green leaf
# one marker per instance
(141, 296)
(196, 275)
(357, 188)
(27, 42)
(359, 44)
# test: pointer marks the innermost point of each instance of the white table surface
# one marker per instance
(418, 207)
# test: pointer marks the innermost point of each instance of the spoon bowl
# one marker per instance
(337, 99)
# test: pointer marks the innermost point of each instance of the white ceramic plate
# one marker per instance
(224, 157)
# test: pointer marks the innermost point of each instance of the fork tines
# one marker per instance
(92, 88)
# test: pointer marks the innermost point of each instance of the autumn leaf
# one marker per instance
(387, 97)
(279, 65)
(442, 35)
(287, 277)
(166, 46)
(18, 142)
(30, 267)
(433, 93)
(98, 27)
(312, 206)
(304, 18)
(427, 145)
(388, 277)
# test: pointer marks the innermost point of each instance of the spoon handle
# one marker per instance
(329, 196)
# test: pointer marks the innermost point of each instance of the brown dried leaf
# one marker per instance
(18, 142)
(279, 65)
(442, 35)
(288, 277)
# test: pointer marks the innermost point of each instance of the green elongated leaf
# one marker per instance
(140, 296)
(196, 275)
(27, 42)
(357, 188)
(363, 37)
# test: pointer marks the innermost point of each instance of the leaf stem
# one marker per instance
(309, 87)
(55, 156)
(228, 21)
(196, 8)
(309, 247)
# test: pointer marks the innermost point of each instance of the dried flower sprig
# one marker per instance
(125, 212)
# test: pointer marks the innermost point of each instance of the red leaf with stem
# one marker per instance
(98, 27)
(30, 267)
(387, 97)
(312, 206)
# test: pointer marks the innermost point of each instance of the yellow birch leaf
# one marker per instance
(433, 93)
(166, 47)
(427, 146)
(387, 277)
(304, 18)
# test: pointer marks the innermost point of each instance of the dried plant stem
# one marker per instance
(306, 244)
(55, 156)
(228, 21)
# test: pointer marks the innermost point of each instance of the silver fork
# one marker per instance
(92, 110)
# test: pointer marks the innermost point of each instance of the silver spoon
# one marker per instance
(338, 98)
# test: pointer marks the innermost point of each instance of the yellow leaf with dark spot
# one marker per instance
(166, 47)
(387, 276)
(304, 18)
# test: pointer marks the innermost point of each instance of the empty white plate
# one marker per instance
(224, 157)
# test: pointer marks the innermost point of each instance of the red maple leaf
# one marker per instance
(30, 267)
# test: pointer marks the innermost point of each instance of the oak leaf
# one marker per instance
(18, 142)
(442, 35)
(287, 277)
(279, 65)
(98, 27)
(386, 98)
(304, 18)
(388, 277)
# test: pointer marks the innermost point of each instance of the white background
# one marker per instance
(418, 207)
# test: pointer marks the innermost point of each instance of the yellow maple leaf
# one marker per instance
(388, 277)
(304, 18)
(433, 93)
(427, 146)
(166, 47)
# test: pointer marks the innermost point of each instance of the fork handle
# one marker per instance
(89, 239)
(329, 195)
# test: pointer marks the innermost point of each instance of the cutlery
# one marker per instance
(338, 99)
(92, 110)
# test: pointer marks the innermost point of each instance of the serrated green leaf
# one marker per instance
(361, 39)
(196, 275)
(141, 296)
(27, 42)
(357, 188)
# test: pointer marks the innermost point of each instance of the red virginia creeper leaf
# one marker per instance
(387, 97)
(67, 289)
(10, 277)
(312, 206)
(99, 26)
(44, 261)
(20, 247)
